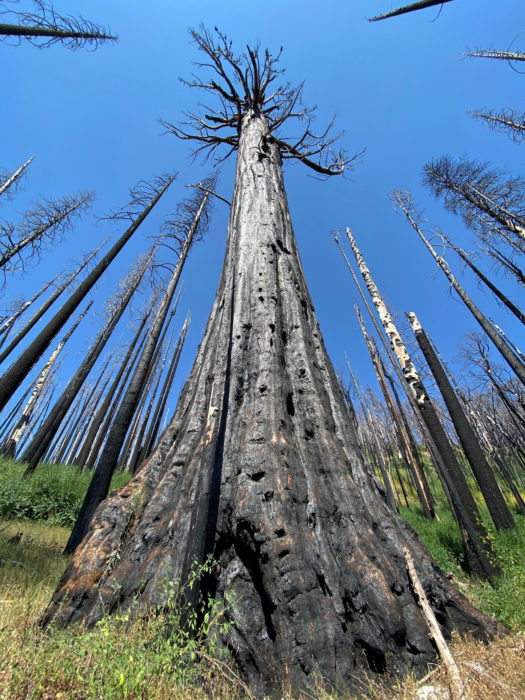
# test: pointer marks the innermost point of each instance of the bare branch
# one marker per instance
(242, 85)
(510, 122)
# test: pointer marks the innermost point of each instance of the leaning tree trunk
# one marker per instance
(101, 479)
(259, 468)
(48, 429)
(45, 306)
(484, 475)
(514, 363)
(495, 290)
(11, 444)
(18, 371)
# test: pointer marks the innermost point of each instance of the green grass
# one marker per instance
(53, 493)
(506, 599)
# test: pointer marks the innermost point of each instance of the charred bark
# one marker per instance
(498, 509)
(259, 467)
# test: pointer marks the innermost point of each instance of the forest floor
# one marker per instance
(119, 658)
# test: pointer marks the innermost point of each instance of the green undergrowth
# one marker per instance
(505, 600)
(53, 493)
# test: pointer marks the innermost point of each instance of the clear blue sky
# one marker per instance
(400, 88)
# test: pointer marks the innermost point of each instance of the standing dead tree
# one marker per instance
(455, 485)
(508, 121)
(414, 461)
(144, 197)
(413, 7)
(46, 222)
(494, 53)
(481, 276)
(259, 467)
(10, 446)
(484, 475)
(116, 306)
(188, 226)
(21, 334)
(44, 27)
(491, 203)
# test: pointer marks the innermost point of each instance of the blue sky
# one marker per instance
(401, 88)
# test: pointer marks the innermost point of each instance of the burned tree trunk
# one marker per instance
(259, 468)
(516, 365)
(11, 444)
(484, 475)
(18, 371)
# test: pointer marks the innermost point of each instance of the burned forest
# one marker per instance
(272, 396)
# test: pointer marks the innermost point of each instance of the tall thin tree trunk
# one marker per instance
(157, 416)
(48, 429)
(45, 306)
(514, 363)
(91, 434)
(428, 511)
(9, 322)
(12, 443)
(16, 374)
(480, 467)
(108, 460)
(495, 290)
(418, 474)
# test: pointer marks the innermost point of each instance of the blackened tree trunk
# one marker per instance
(10, 446)
(495, 290)
(45, 306)
(9, 322)
(151, 438)
(403, 438)
(417, 472)
(101, 480)
(412, 7)
(47, 431)
(480, 467)
(259, 468)
(98, 418)
(16, 374)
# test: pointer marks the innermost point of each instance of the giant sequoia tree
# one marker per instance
(260, 466)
